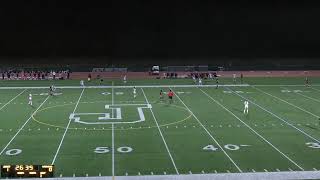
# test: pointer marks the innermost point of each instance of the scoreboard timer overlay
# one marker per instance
(19, 171)
(107, 131)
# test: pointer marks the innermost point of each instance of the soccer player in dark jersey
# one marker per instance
(161, 95)
(217, 82)
(307, 82)
(51, 90)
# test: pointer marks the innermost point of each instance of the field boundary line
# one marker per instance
(238, 168)
(255, 132)
(163, 139)
(110, 87)
(278, 117)
(65, 132)
(12, 99)
(153, 86)
(23, 125)
(220, 176)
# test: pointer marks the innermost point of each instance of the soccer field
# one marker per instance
(105, 131)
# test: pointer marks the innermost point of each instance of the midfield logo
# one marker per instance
(113, 115)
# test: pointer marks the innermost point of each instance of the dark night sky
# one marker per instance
(159, 29)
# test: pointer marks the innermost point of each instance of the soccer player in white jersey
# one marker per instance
(194, 78)
(125, 79)
(134, 92)
(234, 78)
(30, 99)
(246, 107)
(82, 83)
(200, 81)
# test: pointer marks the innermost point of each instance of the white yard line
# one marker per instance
(112, 98)
(255, 132)
(277, 85)
(308, 97)
(281, 119)
(112, 116)
(164, 141)
(23, 125)
(315, 89)
(12, 100)
(65, 132)
(113, 150)
(209, 134)
(286, 102)
(314, 99)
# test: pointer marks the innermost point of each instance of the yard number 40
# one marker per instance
(231, 147)
(314, 145)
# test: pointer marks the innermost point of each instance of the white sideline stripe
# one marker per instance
(141, 86)
(113, 150)
(255, 132)
(209, 134)
(151, 86)
(164, 141)
(65, 132)
(306, 134)
(23, 125)
(12, 99)
(220, 176)
(286, 102)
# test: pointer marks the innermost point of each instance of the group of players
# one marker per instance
(51, 93)
(161, 94)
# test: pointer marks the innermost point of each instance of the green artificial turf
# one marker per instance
(204, 130)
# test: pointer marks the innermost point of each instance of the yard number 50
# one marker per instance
(123, 149)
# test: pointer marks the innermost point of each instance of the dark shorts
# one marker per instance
(170, 97)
